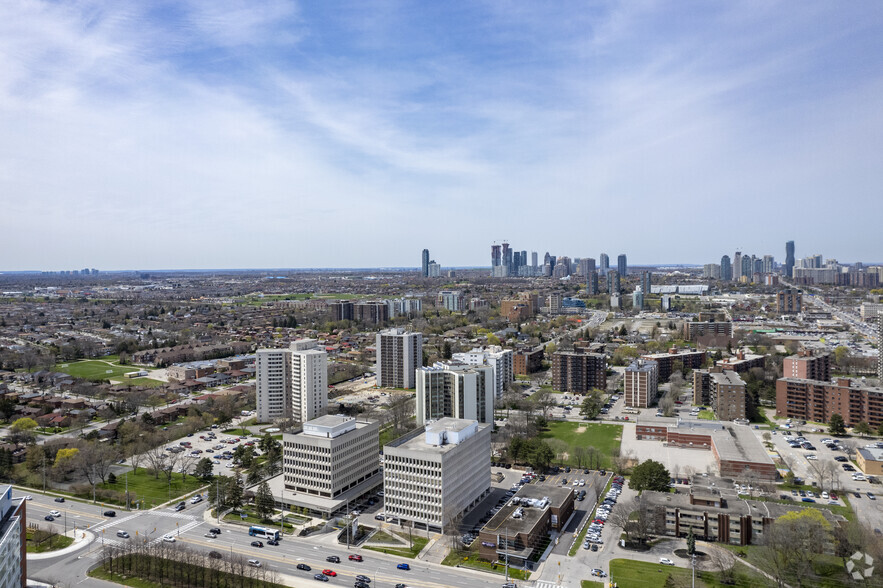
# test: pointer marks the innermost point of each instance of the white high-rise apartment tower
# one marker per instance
(292, 383)
(399, 353)
(502, 360)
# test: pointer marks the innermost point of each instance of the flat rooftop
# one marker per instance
(871, 453)
(727, 377)
(329, 420)
(504, 522)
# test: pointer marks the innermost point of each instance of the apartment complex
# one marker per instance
(13, 544)
(694, 330)
(789, 301)
(871, 310)
(399, 354)
(501, 360)
(723, 390)
(454, 389)
(807, 365)
(291, 383)
(641, 383)
(331, 455)
(690, 358)
(815, 400)
(741, 362)
(578, 372)
(528, 361)
(436, 473)
(452, 300)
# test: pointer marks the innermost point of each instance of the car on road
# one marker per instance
(331, 573)
(360, 584)
(400, 585)
(273, 542)
(666, 561)
(110, 513)
(215, 555)
(180, 507)
(122, 534)
(49, 518)
(55, 513)
(355, 557)
(304, 567)
(59, 499)
(28, 497)
(333, 559)
(255, 563)
(598, 572)
(403, 566)
(257, 544)
(870, 495)
(321, 577)
(210, 535)
(168, 538)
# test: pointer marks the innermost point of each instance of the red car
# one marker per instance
(331, 573)
(355, 558)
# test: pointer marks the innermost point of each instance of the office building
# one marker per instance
(622, 265)
(638, 299)
(816, 400)
(807, 365)
(520, 530)
(457, 390)
(641, 384)
(690, 359)
(499, 359)
(726, 269)
(399, 353)
(578, 372)
(13, 541)
(789, 258)
(424, 265)
(291, 383)
(789, 301)
(331, 455)
(723, 390)
(436, 473)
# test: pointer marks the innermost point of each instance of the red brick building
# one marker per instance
(814, 400)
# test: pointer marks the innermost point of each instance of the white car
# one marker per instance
(168, 538)
(55, 513)
(229, 466)
(255, 563)
(666, 561)
(29, 497)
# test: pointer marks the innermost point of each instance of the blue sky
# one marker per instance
(226, 133)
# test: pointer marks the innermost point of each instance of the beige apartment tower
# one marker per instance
(641, 383)
(399, 353)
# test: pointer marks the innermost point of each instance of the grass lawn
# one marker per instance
(154, 491)
(639, 574)
(603, 437)
(470, 559)
(143, 382)
(54, 543)
(95, 369)
(589, 584)
(417, 544)
(708, 415)
(828, 569)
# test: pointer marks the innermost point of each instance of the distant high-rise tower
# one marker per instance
(592, 283)
(622, 265)
(768, 264)
(533, 259)
(789, 258)
(747, 267)
(399, 353)
(507, 260)
(425, 263)
(496, 261)
(604, 262)
(737, 265)
(613, 284)
(726, 269)
(646, 282)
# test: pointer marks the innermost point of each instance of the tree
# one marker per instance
(204, 469)
(264, 503)
(545, 400)
(862, 428)
(691, 542)
(591, 404)
(650, 475)
(23, 430)
(791, 544)
(836, 426)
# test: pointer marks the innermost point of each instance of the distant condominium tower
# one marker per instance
(622, 265)
(604, 264)
(768, 263)
(726, 269)
(737, 265)
(425, 263)
(789, 258)
(613, 283)
(496, 258)
(592, 283)
(399, 354)
(533, 259)
(747, 267)
(646, 282)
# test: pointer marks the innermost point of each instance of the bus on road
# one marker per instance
(264, 533)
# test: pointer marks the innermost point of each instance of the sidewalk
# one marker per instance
(81, 539)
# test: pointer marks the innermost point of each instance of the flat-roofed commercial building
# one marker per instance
(13, 544)
(691, 359)
(577, 372)
(520, 527)
(813, 400)
(870, 460)
(399, 354)
(453, 389)
(640, 383)
(436, 473)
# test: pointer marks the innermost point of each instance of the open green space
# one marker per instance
(41, 541)
(707, 415)
(827, 570)
(417, 544)
(144, 486)
(250, 518)
(95, 369)
(639, 574)
(589, 584)
(606, 438)
(143, 382)
(469, 559)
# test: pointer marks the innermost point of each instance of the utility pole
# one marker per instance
(693, 563)
(44, 472)
(127, 491)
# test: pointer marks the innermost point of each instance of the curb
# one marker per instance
(81, 539)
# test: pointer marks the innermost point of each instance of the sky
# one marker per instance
(272, 134)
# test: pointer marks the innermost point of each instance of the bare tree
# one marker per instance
(545, 400)
(722, 560)
(156, 459)
(401, 408)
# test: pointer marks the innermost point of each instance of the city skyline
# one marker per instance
(248, 135)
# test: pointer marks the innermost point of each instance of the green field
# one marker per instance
(95, 369)
(604, 437)
(417, 545)
(639, 574)
(154, 491)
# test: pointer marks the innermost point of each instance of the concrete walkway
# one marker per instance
(81, 540)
